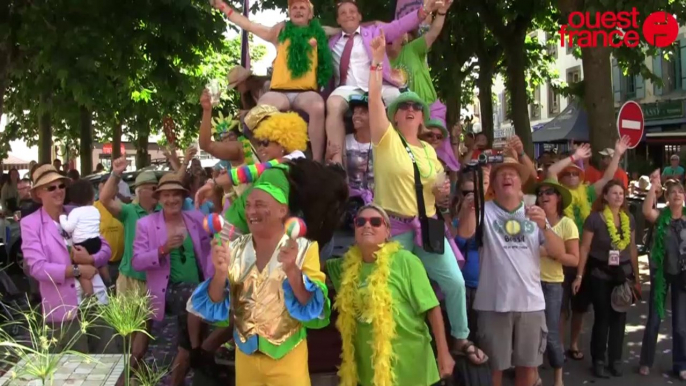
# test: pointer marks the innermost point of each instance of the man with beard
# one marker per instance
(302, 66)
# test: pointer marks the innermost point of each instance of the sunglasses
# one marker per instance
(570, 174)
(433, 136)
(410, 105)
(55, 187)
(373, 221)
(264, 143)
(547, 192)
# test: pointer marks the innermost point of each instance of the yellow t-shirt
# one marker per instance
(394, 175)
(281, 75)
(551, 270)
(112, 230)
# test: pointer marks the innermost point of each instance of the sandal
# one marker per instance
(469, 350)
(575, 354)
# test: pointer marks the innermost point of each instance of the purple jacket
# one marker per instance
(48, 258)
(151, 234)
(392, 30)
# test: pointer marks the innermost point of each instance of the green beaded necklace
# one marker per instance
(426, 154)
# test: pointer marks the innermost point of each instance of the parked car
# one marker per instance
(128, 177)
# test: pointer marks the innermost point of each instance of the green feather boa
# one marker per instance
(298, 60)
(657, 255)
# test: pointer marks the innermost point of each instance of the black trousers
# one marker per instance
(608, 325)
(91, 245)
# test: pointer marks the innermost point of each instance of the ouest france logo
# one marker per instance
(618, 29)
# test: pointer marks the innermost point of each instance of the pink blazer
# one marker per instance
(151, 234)
(393, 30)
(48, 258)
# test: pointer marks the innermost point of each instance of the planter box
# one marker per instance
(101, 370)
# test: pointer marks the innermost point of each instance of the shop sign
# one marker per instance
(663, 110)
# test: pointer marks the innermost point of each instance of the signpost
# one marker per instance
(630, 123)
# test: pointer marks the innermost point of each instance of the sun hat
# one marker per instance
(170, 181)
(407, 96)
(674, 156)
(437, 123)
(258, 114)
(237, 75)
(522, 170)
(358, 100)
(147, 177)
(576, 168)
(622, 297)
(45, 175)
(607, 152)
(561, 190)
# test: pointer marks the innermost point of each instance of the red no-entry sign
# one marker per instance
(630, 123)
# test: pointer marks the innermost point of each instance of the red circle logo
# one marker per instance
(660, 29)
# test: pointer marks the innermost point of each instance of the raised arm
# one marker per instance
(620, 148)
(378, 121)
(407, 23)
(516, 147)
(582, 152)
(269, 34)
(108, 194)
(331, 31)
(437, 25)
(229, 151)
(649, 204)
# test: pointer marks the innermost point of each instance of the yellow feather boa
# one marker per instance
(580, 208)
(624, 222)
(376, 309)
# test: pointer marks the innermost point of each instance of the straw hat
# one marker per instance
(237, 75)
(170, 181)
(522, 170)
(45, 175)
(561, 190)
(258, 114)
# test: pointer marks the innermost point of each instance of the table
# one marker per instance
(102, 370)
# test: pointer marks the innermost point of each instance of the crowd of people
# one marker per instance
(511, 250)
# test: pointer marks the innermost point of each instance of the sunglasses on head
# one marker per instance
(55, 187)
(373, 221)
(547, 192)
(410, 105)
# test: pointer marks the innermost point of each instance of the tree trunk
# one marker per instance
(86, 141)
(44, 132)
(453, 102)
(485, 85)
(116, 139)
(142, 135)
(5, 63)
(598, 98)
(516, 86)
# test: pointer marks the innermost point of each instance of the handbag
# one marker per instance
(433, 230)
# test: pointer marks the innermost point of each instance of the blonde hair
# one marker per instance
(287, 129)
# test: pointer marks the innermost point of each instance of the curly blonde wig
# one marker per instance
(287, 129)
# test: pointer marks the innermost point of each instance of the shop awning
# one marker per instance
(570, 124)
(15, 162)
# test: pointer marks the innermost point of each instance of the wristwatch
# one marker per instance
(77, 272)
(548, 226)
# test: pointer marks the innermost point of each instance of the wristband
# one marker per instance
(440, 14)
(521, 154)
(572, 158)
(117, 175)
(228, 15)
(161, 251)
(579, 277)
(421, 12)
(376, 68)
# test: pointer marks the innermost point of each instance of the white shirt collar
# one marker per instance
(357, 31)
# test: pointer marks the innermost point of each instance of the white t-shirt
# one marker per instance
(99, 289)
(510, 272)
(360, 163)
(295, 155)
(82, 224)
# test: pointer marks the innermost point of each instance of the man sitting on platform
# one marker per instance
(352, 60)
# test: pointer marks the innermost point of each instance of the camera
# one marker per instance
(484, 159)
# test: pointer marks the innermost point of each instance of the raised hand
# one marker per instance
(515, 143)
(622, 145)
(119, 165)
(537, 215)
(583, 152)
(287, 256)
(221, 256)
(446, 5)
(378, 47)
(206, 100)
(203, 193)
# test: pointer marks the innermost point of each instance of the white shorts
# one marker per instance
(388, 93)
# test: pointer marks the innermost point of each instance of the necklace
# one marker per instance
(376, 308)
(618, 242)
(657, 255)
(426, 154)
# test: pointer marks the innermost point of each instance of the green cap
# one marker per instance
(437, 123)
(407, 96)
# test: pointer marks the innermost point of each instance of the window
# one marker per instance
(551, 44)
(630, 86)
(671, 71)
(574, 75)
(553, 101)
(535, 108)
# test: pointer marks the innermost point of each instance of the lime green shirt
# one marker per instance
(129, 216)
(412, 63)
(183, 265)
(413, 297)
